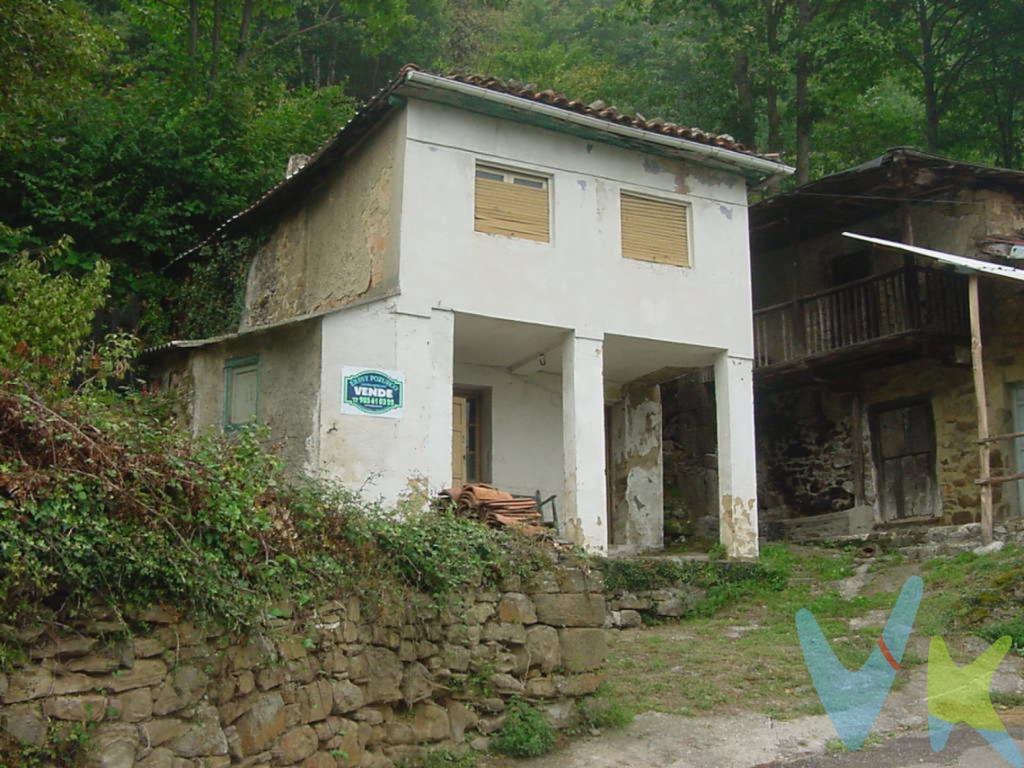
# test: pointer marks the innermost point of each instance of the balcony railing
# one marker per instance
(882, 306)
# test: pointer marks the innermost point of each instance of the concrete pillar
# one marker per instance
(737, 469)
(645, 498)
(584, 506)
(442, 359)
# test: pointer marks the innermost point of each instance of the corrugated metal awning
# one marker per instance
(974, 265)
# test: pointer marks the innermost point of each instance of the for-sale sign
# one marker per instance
(372, 392)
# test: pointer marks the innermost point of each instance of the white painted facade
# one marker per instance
(553, 331)
(560, 336)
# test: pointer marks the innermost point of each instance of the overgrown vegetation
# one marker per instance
(138, 126)
(67, 746)
(977, 595)
(723, 581)
(525, 732)
(101, 497)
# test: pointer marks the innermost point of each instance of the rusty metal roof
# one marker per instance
(376, 109)
(841, 200)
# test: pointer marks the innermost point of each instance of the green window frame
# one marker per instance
(241, 391)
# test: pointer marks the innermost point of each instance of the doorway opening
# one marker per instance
(470, 436)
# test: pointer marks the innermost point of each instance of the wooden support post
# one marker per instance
(857, 438)
(981, 398)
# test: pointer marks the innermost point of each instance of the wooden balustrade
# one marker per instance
(888, 304)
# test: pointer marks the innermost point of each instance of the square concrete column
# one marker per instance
(584, 507)
(737, 468)
(442, 383)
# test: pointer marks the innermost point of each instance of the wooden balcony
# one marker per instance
(860, 317)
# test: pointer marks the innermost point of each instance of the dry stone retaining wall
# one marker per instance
(345, 686)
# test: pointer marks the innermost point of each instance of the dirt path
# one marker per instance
(732, 692)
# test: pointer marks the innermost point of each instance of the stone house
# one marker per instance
(476, 281)
(864, 396)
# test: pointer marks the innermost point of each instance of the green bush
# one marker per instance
(525, 733)
(1014, 628)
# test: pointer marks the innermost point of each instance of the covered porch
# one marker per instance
(552, 412)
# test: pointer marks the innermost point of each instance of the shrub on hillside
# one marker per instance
(101, 497)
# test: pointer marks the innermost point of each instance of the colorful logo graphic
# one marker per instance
(854, 699)
(372, 392)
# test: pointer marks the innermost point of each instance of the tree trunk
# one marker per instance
(218, 13)
(804, 118)
(193, 28)
(243, 34)
(747, 121)
(771, 84)
(926, 30)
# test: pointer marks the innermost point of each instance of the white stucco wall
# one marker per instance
(525, 436)
(388, 455)
(579, 280)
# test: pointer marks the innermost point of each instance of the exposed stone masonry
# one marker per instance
(343, 687)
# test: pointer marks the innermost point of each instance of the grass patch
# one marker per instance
(441, 758)
(525, 733)
(975, 595)
(602, 712)
(741, 651)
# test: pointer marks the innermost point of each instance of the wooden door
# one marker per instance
(1017, 403)
(905, 447)
(460, 409)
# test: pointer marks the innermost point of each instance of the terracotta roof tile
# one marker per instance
(374, 109)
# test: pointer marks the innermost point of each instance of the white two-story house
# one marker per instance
(474, 281)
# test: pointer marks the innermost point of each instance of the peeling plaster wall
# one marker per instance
(525, 444)
(341, 243)
(289, 375)
(638, 461)
(390, 458)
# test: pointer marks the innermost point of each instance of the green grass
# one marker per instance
(689, 668)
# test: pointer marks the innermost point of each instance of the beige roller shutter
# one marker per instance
(511, 204)
(655, 230)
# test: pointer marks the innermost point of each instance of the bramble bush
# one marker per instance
(103, 498)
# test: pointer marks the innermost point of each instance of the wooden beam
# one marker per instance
(1004, 479)
(857, 438)
(981, 399)
(1007, 436)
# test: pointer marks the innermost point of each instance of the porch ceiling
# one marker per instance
(518, 346)
(505, 343)
(627, 359)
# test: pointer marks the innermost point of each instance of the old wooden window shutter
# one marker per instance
(512, 204)
(655, 230)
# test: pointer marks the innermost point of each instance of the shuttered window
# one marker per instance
(655, 230)
(512, 204)
(241, 391)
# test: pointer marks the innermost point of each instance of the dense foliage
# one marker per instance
(102, 497)
(136, 126)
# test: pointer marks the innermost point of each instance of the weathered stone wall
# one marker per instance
(805, 452)
(632, 608)
(690, 455)
(340, 244)
(345, 686)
